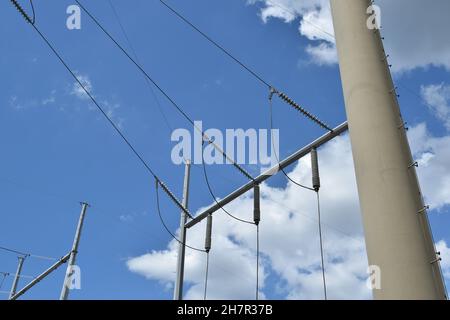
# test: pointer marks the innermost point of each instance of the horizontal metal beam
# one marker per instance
(270, 172)
(41, 276)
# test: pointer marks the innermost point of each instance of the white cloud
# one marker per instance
(434, 156)
(289, 240)
(407, 27)
(437, 98)
(442, 247)
(289, 232)
(77, 89)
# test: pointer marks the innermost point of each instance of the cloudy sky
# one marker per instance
(58, 150)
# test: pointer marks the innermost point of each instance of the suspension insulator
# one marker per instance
(315, 170)
(208, 233)
(256, 204)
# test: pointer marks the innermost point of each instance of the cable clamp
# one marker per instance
(403, 126)
(438, 258)
(414, 164)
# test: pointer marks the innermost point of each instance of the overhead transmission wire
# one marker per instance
(321, 248)
(205, 137)
(280, 94)
(106, 116)
(163, 92)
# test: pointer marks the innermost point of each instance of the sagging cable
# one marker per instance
(214, 197)
(158, 207)
(271, 93)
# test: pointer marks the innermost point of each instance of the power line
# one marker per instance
(257, 261)
(206, 275)
(321, 248)
(164, 93)
(282, 95)
(111, 122)
(304, 19)
(257, 76)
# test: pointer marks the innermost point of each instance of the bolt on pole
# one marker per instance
(73, 254)
(178, 290)
(17, 277)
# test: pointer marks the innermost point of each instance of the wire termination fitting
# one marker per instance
(315, 170)
(208, 233)
(256, 204)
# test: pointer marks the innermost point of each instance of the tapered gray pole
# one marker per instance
(397, 234)
(17, 277)
(178, 291)
(73, 254)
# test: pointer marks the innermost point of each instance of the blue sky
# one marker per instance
(58, 150)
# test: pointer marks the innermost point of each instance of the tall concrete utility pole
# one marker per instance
(17, 277)
(397, 233)
(73, 254)
(178, 291)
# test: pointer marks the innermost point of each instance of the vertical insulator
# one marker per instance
(315, 170)
(256, 204)
(208, 233)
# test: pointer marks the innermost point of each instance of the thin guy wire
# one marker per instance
(321, 248)
(274, 149)
(307, 21)
(257, 261)
(4, 274)
(214, 197)
(280, 94)
(27, 254)
(180, 110)
(130, 45)
(166, 227)
(116, 128)
(206, 275)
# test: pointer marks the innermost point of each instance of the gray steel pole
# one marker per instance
(73, 253)
(17, 277)
(178, 291)
(398, 238)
